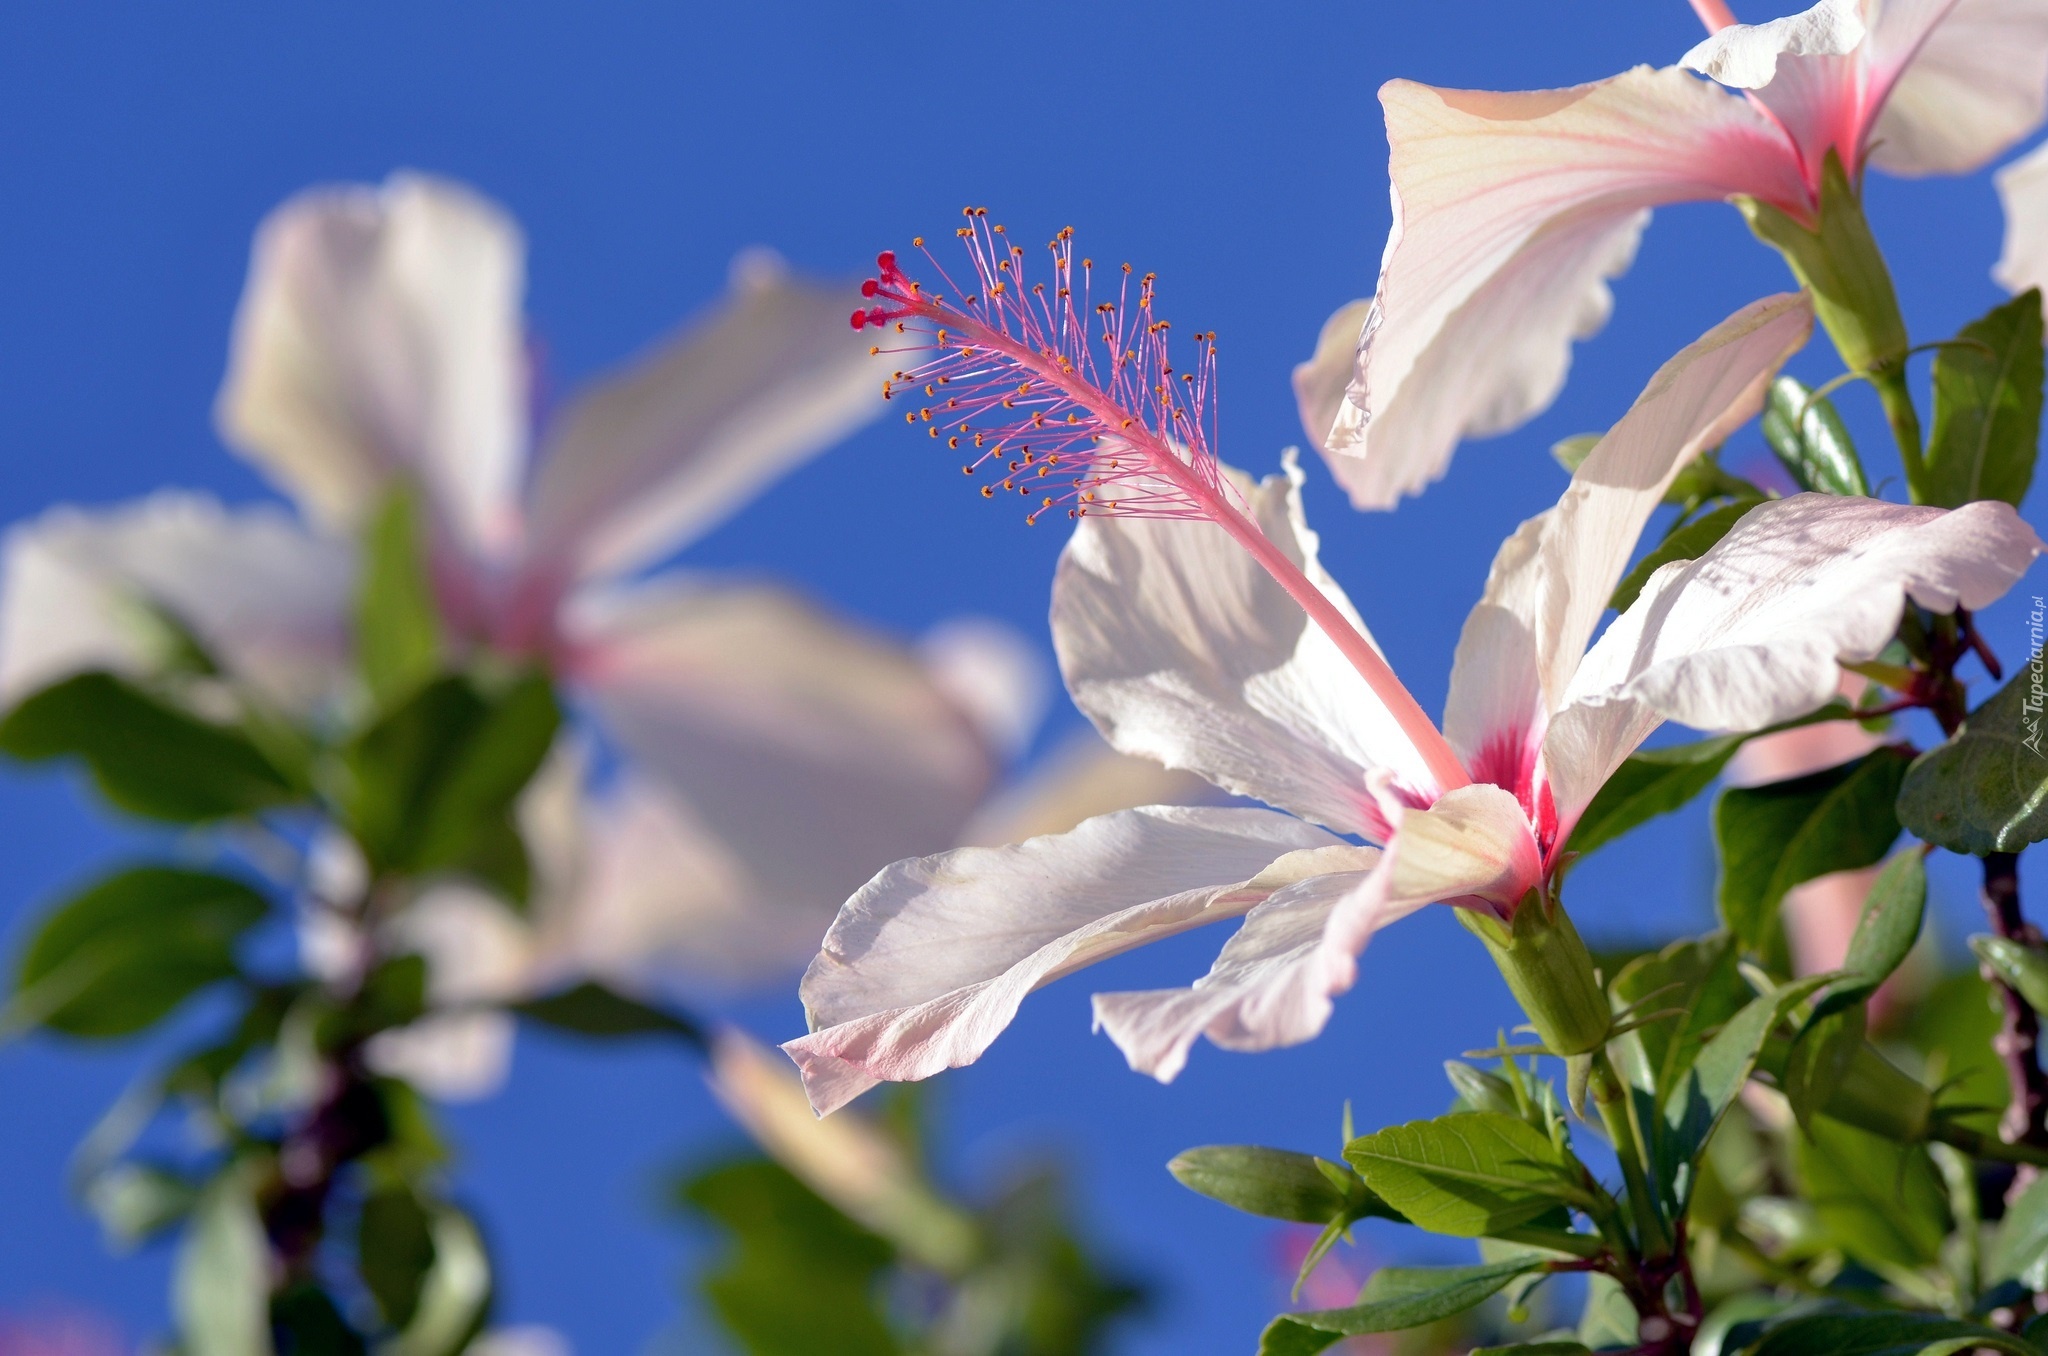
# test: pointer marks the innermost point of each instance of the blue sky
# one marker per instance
(1234, 149)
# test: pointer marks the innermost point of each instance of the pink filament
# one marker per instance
(1137, 445)
(1715, 14)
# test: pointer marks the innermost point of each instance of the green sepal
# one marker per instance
(1550, 972)
(398, 627)
(1837, 259)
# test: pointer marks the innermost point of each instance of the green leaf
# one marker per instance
(1608, 1319)
(455, 1297)
(393, 994)
(395, 1251)
(2022, 968)
(1395, 1298)
(1277, 1183)
(1811, 440)
(1819, 1060)
(1694, 1107)
(134, 1202)
(1885, 1334)
(1774, 837)
(398, 629)
(1986, 789)
(1695, 978)
(1571, 452)
(2019, 1248)
(146, 757)
(120, 955)
(1468, 1174)
(435, 779)
(800, 1277)
(1687, 542)
(1879, 1201)
(1657, 781)
(220, 1287)
(1987, 408)
(590, 1009)
(305, 1321)
(1890, 924)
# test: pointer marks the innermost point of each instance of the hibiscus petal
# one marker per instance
(1967, 79)
(1182, 650)
(1273, 982)
(379, 334)
(106, 589)
(927, 964)
(1551, 580)
(2023, 190)
(449, 1056)
(1079, 779)
(655, 456)
(1511, 211)
(807, 749)
(1753, 631)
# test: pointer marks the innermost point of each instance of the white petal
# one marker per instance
(2023, 190)
(1272, 984)
(925, 966)
(477, 950)
(1745, 56)
(1753, 631)
(1551, 580)
(1182, 650)
(1320, 383)
(87, 589)
(1973, 82)
(992, 674)
(654, 457)
(449, 1056)
(1080, 779)
(379, 334)
(809, 751)
(1808, 749)
(1511, 211)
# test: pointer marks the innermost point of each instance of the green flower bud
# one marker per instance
(1549, 971)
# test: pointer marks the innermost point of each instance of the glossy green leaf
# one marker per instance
(1695, 1106)
(1811, 441)
(1892, 914)
(591, 1009)
(2019, 1247)
(1879, 1201)
(1883, 1334)
(146, 757)
(1987, 408)
(435, 779)
(1277, 1183)
(1774, 837)
(398, 628)
(395, 1251)
(220, 1285)
(2022, 968)
(1468, 1174)
(1395, 1298)
(1687, 542)
(800, 1277)
(1985, 790)
(1696, 980)
(120, 955)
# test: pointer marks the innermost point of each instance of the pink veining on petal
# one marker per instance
(1019, 386)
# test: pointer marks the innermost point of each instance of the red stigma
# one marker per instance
(860, 318)
(886, 261)
(870, 287)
